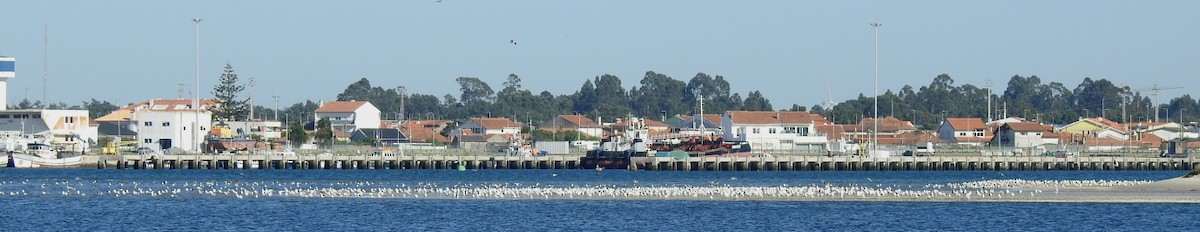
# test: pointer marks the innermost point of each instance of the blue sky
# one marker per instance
(792, 51)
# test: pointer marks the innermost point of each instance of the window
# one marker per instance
(147, 141)
(803, 131)
(37, 115)
(5, 115)
(69, 119)
(771, 131)
(148, 123)
(166, 123)
(755, 130)
(741, 130)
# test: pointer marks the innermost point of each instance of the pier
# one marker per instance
(780, 163)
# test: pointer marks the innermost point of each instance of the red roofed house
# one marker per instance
(579, 123)
(491, 126)
(347, 116)
(425, 131)
(783, 130)
(1024, 134)
(965, 131)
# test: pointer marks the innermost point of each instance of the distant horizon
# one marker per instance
(793, 52)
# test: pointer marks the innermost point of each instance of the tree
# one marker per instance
(755, 101)
(324, 132)
(296, 135)
(474, 89)
(229, 106)
(97, 109)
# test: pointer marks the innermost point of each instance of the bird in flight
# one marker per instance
(514, 42)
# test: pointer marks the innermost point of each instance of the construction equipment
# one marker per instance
(115, 147)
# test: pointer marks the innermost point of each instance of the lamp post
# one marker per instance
(196, 96)
(875, 122)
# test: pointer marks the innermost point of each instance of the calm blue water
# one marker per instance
(96, 212)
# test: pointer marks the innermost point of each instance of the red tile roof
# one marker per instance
(495, 123)
(966, 124)
(579, 120)
(1028, 127)
(888, 124)
(1108, 123)
(340, 106)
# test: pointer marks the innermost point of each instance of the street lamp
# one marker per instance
(196, 96)
(875, 122)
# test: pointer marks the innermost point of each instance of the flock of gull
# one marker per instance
(978, 190)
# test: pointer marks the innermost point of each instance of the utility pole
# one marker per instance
(276, 97)
(251, 100)
(875, 122)
(196, 95)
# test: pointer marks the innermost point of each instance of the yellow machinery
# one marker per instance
(113, 147)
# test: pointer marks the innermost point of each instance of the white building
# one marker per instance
(573, 123)
(66, 130)
(786, 130)
(965, 131)
(1024, 135)
(348, 116)
(171, 124)
(492, 126)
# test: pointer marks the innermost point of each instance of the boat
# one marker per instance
(42, 155)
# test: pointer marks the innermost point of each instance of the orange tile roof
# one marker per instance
(965, 124)
(1028, 126)
(579, 120)
(888, 124)
(495, 123)
(1108, 123)
(340, 106)
(770, 117)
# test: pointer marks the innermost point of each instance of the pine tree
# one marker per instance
(229, 107)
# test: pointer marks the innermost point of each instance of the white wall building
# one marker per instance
(492, 126)
(1022, 134)
(67, 130)
(774, 130)
(171, 125)
(348, 116)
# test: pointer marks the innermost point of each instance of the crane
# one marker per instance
(1156, 88)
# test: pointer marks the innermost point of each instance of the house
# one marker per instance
(1024, 134)
(782, 130)
(491, 126)
(573, 123)
(470, 142)
(171, 124)
(348, 116)
(1097, 128)
(424, 131)
(965, 131)
(67, 130)
(380, 136)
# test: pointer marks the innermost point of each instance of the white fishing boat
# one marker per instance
(34, 152)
